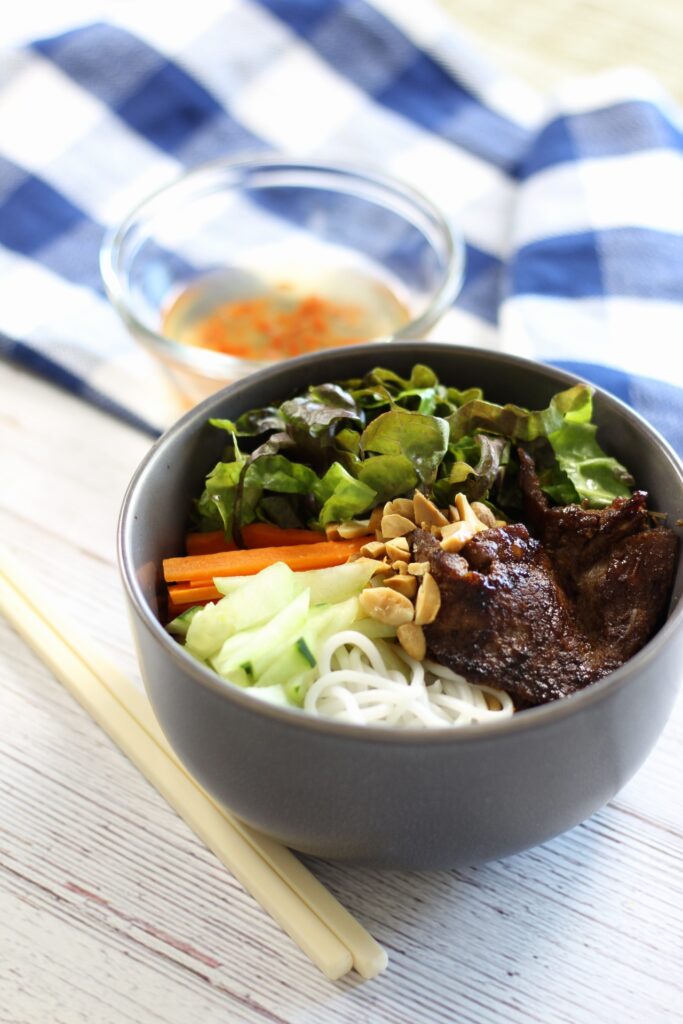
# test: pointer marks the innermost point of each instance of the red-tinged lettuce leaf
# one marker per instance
(252, 423)
(517, 424)
(477, 462)
(319, 410)
(579, 469)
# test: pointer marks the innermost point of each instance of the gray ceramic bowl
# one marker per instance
(390, 797)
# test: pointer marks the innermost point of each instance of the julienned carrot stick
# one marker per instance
(263, 535)
(174, 609)
(208, 543)
(185, 593)
(256, 535)
(248, 563)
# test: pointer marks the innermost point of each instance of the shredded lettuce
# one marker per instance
(336, 450)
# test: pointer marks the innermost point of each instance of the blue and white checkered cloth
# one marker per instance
(570, 205)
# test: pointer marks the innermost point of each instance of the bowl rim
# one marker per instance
(533, 718)
(219, 364)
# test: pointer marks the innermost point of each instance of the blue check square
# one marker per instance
(33, 215)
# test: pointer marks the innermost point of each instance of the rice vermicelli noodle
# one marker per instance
(366, 681)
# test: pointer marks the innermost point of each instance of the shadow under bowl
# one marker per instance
(393, 798)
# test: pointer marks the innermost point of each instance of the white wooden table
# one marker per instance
(112, 911)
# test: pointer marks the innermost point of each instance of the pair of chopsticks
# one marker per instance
(301, 905)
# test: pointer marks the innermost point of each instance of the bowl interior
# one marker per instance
(154, 519)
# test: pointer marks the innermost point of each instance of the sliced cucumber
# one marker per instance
(292, 672)
(261, 645)
(326, 619)
(241, 677)
(330, 586)
(230, 584)
(327, 586)
(180, 625)
(259, 599)
(297, 687)
(296, 660)
(375, 630)
(295, 669)
(272, 695)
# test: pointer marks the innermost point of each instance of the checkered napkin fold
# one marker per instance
(570, 205)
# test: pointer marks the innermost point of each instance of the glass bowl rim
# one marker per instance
(218, 364)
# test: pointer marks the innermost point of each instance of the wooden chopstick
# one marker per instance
(332, 938)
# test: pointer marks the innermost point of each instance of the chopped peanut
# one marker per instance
(456, 535)
(467, 513)
(386, 605)
(412, 639)
(354, 528)
(398, 548)
(418, 568)
(373, 549)
(426, 512)
(484, 514)
(403, 584)
(403, 507)
(428, 601)
(395, 525)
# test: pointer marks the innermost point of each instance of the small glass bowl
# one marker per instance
(232, 216)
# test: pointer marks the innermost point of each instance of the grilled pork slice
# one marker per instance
(503, 619)
(616, 569)
(543, 617)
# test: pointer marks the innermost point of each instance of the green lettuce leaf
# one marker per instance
(593, 475)
(421, 439)
(458, 398)
(216, 506)
(342, 495)
(493, 452)
(277, 473)
(235, 489)
(348, 440)
(388, 475)
(420, 377)
(281, 510)
(421, 392)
